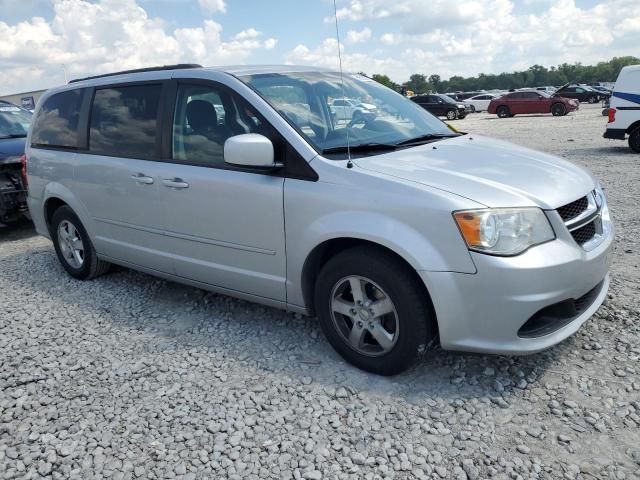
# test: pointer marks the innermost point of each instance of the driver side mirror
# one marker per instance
(250, 150)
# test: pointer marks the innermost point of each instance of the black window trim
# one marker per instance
(295, 166)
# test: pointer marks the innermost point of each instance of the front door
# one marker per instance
(225, 224)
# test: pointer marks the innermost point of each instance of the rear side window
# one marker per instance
(56, 124)
(124, 121)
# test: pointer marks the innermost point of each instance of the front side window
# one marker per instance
(124, 121)
(379, 115)
(56, 123)
(204, 118)
(14, 121)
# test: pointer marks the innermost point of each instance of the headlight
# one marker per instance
(504, 231)
(460, 106)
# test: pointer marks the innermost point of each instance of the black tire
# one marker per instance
(91, 266)
(451, 114)
(634, 140)
(503, 111)
(473, 109)
(592, 99)
(558, 110)
(462, 116)
(417, 329)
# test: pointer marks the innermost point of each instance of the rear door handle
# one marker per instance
(142, 178)
(177, 183)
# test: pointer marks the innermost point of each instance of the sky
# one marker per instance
(41, 40)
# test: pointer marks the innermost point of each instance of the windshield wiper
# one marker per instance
(426, 138)
(363, 147)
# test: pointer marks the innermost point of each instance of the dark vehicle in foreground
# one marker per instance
(517, 103)
(14, 125)
(581, 93)
(442, 106)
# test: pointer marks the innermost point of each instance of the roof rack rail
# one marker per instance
(179, 66)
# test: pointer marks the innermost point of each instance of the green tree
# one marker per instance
(384, 80)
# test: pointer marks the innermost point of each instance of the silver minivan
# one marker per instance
(395, 230)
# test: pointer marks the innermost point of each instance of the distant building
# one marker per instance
(26, 100)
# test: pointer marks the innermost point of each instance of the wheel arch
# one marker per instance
(56, 195)
(326, 250)
(633, 126)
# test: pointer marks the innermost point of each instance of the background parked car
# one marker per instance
(531, 102)
(14, 125)
(348, 109)
(441, 105)
(582, 93)
(481, 102)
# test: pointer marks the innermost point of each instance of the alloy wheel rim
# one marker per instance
(364, 316)
(71, 245)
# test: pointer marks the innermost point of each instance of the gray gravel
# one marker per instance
(133, 377)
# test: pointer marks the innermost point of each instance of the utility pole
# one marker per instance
(64, 69)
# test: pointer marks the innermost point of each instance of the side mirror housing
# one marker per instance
(249, 150)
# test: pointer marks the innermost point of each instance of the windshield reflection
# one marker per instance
(326, 112)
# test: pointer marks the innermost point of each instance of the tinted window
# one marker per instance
(530, 96)
(57, 121)
(203, 120)
(124, 121)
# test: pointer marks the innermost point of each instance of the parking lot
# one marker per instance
(129, 376)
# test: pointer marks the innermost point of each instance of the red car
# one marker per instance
(531, 102)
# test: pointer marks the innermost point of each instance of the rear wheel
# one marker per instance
(372, 310)
(74, 247)
(634, 140)
(473, 108)
(558, 109)
(451, 115)
(462, 116)
(503, 112)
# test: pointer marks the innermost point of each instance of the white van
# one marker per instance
(624, 111)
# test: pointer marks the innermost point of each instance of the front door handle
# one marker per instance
(142, 178)
(177, 183)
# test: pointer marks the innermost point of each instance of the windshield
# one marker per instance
(372, 115)
(14, 121)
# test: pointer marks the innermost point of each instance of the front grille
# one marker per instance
(556, 316)
(573, 209)
(583, 234)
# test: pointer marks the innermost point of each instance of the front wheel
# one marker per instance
(558, 110)
(74, 247)
(451, 115)
(372, 310)
(634, 140)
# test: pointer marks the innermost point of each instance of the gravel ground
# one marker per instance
(129, 376)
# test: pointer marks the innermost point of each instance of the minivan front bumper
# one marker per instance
(556, 287)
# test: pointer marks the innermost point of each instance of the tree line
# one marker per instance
(534, 76)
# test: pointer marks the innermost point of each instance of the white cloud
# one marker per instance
(109, 35)
(326, 55)
(213, 6)
(354, 36)
(492, 36)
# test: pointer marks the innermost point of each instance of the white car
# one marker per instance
(347, 109)
(481, 102)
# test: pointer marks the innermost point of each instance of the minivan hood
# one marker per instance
(491, 172)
